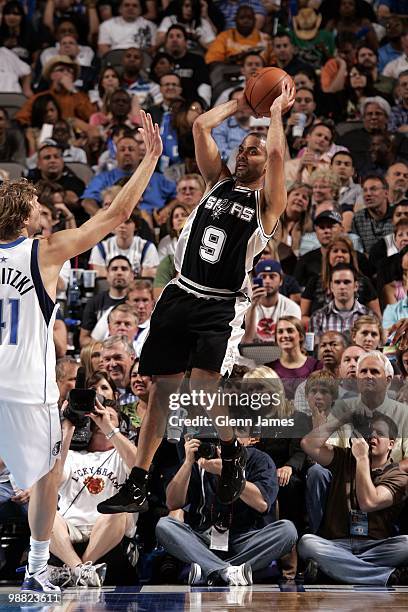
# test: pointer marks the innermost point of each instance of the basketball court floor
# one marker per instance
(260, 598)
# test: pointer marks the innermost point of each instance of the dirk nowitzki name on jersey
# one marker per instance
(224, 205)
(15, 278)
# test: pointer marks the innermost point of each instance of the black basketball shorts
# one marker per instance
(187, 331)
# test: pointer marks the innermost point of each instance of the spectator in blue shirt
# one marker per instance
(128, 154)
(393, 48)
(231, 132)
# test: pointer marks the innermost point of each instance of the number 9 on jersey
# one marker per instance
(212, 243)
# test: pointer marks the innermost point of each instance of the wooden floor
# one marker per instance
(289, 598)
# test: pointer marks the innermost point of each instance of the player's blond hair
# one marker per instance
(16, 199)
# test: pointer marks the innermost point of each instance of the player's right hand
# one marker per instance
(286, 100)
(190, 447)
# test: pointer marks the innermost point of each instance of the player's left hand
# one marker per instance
(287, 98)
(359, 448)
(151, 135)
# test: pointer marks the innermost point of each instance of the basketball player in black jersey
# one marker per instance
(197, 323)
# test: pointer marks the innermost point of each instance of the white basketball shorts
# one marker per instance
(30, 440)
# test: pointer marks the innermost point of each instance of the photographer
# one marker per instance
(355, 545)
(88, 477)
(224, 543)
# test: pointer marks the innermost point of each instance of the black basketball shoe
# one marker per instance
(131, 497)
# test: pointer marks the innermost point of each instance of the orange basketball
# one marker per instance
(263, 88)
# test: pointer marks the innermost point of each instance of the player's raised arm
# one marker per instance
(66, 244)
(275, 196)
(206, 150)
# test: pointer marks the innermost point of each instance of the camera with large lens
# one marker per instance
(83, 433)
(207, 449)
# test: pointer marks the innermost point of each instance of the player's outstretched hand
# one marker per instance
(286, 100)
(151, 135)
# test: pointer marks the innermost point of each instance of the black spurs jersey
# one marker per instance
(220, 241)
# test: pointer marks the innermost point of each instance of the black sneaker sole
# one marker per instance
(131, 508)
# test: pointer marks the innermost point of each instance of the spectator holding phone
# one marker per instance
(268, 304)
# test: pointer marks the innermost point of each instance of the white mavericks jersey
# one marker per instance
(27, 315)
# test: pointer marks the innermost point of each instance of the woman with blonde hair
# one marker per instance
(367, 332)
(271, 383)
(174, 225)
(317, 291)
(325, 185)
(91, 358)
(295, 221)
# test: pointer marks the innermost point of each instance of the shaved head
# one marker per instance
(258, 135)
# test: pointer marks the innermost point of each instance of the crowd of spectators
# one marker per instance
(328, 289)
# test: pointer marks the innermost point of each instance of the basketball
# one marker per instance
(263, 88)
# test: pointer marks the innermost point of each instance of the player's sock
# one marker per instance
(38, 555)
(229, 448)
(138, 475)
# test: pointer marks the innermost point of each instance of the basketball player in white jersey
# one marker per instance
(30, 431)
(197, 322)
